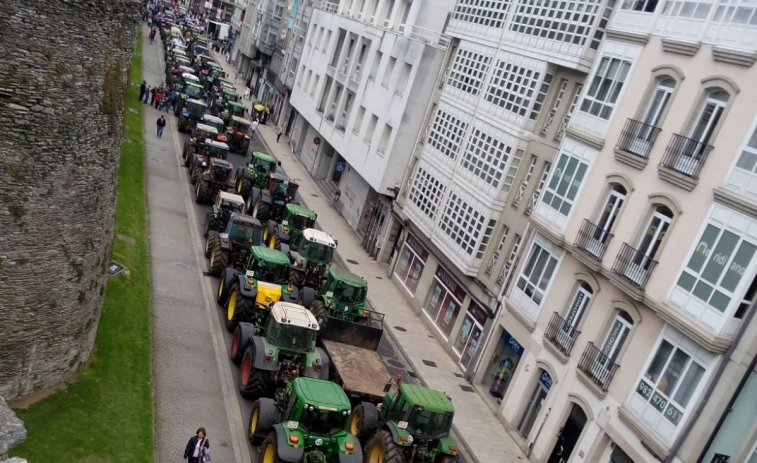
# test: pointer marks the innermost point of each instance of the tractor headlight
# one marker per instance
(204, 164)
(410, 438)
(311, 408)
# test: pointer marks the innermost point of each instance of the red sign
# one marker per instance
(416, 246)
(447, 280)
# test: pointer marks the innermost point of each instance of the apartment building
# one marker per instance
(365, 79)
(631, 304)
(459, 227)
(237, 19)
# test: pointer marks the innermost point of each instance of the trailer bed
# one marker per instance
(361, 371)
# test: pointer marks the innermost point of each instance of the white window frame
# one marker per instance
(448, 132)
(427, 191)
(518, 295)
(484, 13)
(462, 222)
(487, 155)
(740, 177)
(468, 72)
(534, 17)
(513, 85)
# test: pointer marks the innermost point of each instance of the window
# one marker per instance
(359, 119)
(462, 222)
(486, 156)
(709, 116)
(647, 6)
(376, 63)
(447, 133)
(605, 88)
(407, 68)
(315, 84)
(561, 21)
(326, 42)
(599, 32)
(389, 71)
(686, 9)
(278, 12)
(371, 128)
(608, 215)
(719, 268)
(469, 338)
(512, 171)
(670, 383)
(565, 183)
(411, 264)
(536, 274)
(293, 67)
(615, 339)
(512, 87)
(485, 240)
(488, 13)
(386, 134)
(468, 71)
(743, 175)
(540, 97)
(426, 192)
(733, 24)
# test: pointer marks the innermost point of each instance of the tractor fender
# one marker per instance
(291, 297)
(228, 276)
(265, 197)
(370, 418)
(444, 446)
(325, 365)
(266, 416)
(247, 331)
(286, 452)
(245, 290)
(259, 360)
(355, 457)
(283, 236)
(285, 249)
(254, 194)
(308, 297)
(272, 226)
(244, 171)
(395, 434)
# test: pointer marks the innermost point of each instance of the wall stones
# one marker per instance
(62, 85)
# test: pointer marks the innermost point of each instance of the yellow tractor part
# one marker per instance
(268, 294)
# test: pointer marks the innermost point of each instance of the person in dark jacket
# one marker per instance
(161, 124)
(195, 445)
(142, 90)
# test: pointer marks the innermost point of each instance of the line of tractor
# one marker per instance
(303, 335)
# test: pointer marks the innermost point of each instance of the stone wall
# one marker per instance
(63, 78)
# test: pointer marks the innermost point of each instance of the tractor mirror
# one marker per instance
(387, 387)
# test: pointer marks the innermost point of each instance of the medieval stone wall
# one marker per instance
(63, 73)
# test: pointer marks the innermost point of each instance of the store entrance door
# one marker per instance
(569, 435)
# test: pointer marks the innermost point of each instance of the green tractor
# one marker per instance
(199, 161)
(269, 204)
(310, 259)
(279, 351)
(191, 113)
(341, 295)
(190, 89)
(231, 247)
(307, 422)
(256, 174)
(412, 425)
(296, 218)
(232, 108)
(224, 205)
(248, 296)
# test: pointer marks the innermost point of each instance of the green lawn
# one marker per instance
(106, 414)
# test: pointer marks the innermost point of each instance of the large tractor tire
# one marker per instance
(203, 193)
(264, 212)
(220, 293)
(236, 306)
(296, 279)
(262, 419)
(321, 313)
(253, 383)
(363, 420)
(211, 223)
(196, 174)
(383, 449)
(185, 152)
(270, 450)
(219, 258)
(243, 186)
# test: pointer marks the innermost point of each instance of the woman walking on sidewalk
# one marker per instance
(198, 448)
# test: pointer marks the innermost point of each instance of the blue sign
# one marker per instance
(340, 167)
(545, 379)
(513, 343)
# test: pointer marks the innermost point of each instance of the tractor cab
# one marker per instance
(347, 290)
(425, 414)
(224, 82)
(225, 205)
(238, 134)
(216, 71)
(283, 190)
(243, 231)
(217, 178)
(310, 258)
(268, 265)
(256, 174)
(296, 219)
(188, 77)
(187, 70)
(199, 160)
(192, 90)
(200, 133)
(228, 94)
(292, 328)
(216, 149)
(218, 124)
(191, 113)
(233, 109)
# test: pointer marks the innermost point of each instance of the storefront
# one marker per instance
(444, 302)
(469, 338)
(535, 404)
(411, 264)
(502, 366)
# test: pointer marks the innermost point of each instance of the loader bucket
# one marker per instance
(366, 335)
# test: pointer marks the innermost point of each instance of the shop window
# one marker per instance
(469, 338)
(502, 366)
(444, 302)
(411, 264)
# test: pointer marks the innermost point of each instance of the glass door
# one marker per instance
(611, 347)
(652, 116)
(702, 131)
(649, 244)
(533, 408)
(607, 219)
(569, 332)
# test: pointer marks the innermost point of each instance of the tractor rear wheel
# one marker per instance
(185, 152)
(253, 383)
(270, 450)
(211, 223)
(202, 192)
(196, 174)
(243, 186)
(296, 279)
(382, 449)
(219, 258)
(321, 313)
(264, 212)
(212, 242)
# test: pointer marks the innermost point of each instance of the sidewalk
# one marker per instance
(483, 435)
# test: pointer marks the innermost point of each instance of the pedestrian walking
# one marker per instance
(198, 448)
(142, 90)
(158, 97)
(278, 135)
(247, 93)
(153, 91)
(161, 125)
(254, 126)
(152, 35)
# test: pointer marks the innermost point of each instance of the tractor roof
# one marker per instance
(194, 84)
(191, 77)
(192, 100)
(246, 219)
(186, 70)
(216, 144)
(241, 120)
(430, 399)
(286, 313)
(273, 256)
(263, 156)
(207, 128)
(179, 52)
(301, 210)
(213, 64)
(234, 103)
(348, 277)
(230, 197)
(311, 234)
(213, 119)
(221, 162)
(323, 395)
(225, 80)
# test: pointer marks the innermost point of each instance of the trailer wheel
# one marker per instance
(321, 314)
(383, 449)
(253, 382)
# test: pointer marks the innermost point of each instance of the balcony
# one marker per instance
(633, 266)
(635, 143)
(592, 239)
(683, 161)
(561, 334)
(597, 367)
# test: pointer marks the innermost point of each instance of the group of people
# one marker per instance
(162, 96)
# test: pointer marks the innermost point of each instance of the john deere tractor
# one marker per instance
(232, 108)
(238, 134)
(191, 114)
(310, 259)
(284, 349)
(412, 425)
(200, 160)
(231, 248)
(296, 218)
(200, 133)
(269, 204)
(218, 177)
(247, 294)
(225, 205)
(191, 89)
(307, 421)
(256, 174)
(341, 295)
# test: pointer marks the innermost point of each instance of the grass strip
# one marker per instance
(106, 413)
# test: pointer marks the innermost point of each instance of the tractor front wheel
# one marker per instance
(270, 450)
(219, 258)
(383, 449)
(243, 186)
(321, 313)
(185, 152)
(254, 427)
(253, 383)
(236, 306)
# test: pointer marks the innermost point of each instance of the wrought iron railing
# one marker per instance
(637, 138)
(634, 266)
(561, 333)
(685, 155)
(597, 366)
(593, 239)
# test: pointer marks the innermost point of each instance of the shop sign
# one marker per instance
(450, 283)
(416, 246)
(513, 343)
(477, 313)
(545, 379)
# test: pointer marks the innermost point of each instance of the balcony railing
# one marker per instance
(561, 333)
(597, 366)
(634, 266)
(593, 239)
(685, 155)
(637, 138)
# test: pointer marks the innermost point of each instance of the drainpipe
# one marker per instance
(711, 387)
